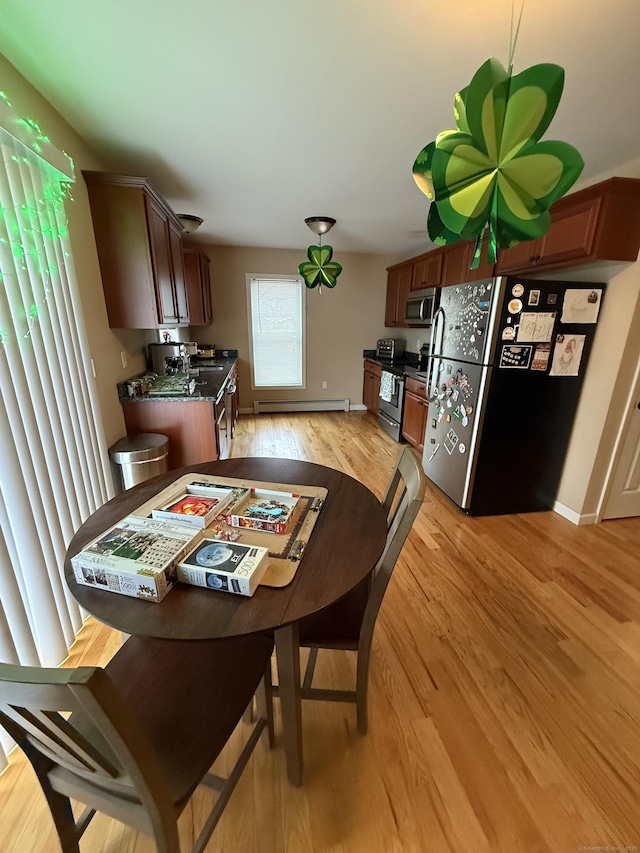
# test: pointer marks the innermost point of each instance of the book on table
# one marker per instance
(225, 566)
(136, 557)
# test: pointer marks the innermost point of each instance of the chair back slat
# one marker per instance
(63, 716)
(56, 738)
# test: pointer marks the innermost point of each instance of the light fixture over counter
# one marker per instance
(190, 223)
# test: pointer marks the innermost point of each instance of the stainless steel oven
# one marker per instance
(391, 403)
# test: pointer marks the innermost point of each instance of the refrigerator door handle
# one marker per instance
(431, 387)
(432, 391)
(436, 326)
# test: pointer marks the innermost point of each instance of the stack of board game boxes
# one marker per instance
(143, 557)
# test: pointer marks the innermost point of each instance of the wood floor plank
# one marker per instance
(504, 691)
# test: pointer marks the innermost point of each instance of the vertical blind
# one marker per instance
(53, 462)
(276, 330)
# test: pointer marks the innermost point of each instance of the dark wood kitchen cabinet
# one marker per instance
(398, 286)
(139, 242)
(427, 270)
(198, 281)
(371, 386)
(190, 428)
(456, 266)
(601, 222)
(416, 407)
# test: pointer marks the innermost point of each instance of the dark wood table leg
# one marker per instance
(288, 657)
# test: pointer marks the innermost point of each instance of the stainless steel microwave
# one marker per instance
(420, 307)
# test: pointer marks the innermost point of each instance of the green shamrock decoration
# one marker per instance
(493, 169)
(320, 269)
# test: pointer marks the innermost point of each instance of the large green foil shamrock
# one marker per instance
(493, 169)
(320, 269)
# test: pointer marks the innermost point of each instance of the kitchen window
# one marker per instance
(276, 312)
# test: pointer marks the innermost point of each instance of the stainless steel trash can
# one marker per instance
(140, 457)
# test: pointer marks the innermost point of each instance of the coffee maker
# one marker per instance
(169, 358)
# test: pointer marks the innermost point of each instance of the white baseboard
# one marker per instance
(339, 405)
(573, 516)
(358, 407)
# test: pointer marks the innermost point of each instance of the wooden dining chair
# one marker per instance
(135, 739)
(349, 623)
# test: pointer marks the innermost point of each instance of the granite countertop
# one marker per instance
(210, 374)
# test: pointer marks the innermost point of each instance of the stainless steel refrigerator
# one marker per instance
(506, 367)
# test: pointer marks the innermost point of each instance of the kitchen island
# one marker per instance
(199, 425)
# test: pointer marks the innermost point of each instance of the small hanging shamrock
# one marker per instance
(320, 269)
(493, 169)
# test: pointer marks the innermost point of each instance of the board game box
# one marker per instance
(266, 510)
(225, 566)
(197, 505)
(137, 557)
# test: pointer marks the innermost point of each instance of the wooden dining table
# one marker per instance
(345, 545)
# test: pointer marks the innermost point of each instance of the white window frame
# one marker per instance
(303, 336)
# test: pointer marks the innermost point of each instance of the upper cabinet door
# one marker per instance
(165, 291)
(427, 270)
(139, 242)
(198, 282)
(177, 267)
(398, 287)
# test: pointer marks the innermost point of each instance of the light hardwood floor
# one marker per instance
(505, 692)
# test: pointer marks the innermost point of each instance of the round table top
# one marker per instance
(346, 543)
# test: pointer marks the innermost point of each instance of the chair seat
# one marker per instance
(337, 625)
(200, 691)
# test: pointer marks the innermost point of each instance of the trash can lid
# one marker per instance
(143, 447)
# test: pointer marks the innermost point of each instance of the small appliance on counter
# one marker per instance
(169, 358)
(389, 348)
(206, 350)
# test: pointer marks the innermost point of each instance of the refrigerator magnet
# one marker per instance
(541, 356)
(462, 448)
(450, 441)
(552, 298)
(518, 290)
(518, 358)
(534, 298)
(515, 306)
(508, 333)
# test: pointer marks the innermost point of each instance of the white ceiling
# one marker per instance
(255, 114)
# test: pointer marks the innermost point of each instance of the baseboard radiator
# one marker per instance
(261, 406)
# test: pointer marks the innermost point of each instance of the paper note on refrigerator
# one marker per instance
(581, 306)
(536, 326)
(567, 355)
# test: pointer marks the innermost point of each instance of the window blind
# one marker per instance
(276, 331)
(53, 464)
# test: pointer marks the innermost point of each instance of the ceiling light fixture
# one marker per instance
(319, 269)
(190, 223)
(320, 224)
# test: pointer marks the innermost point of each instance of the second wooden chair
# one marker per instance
(349, 623)
(135, 739)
